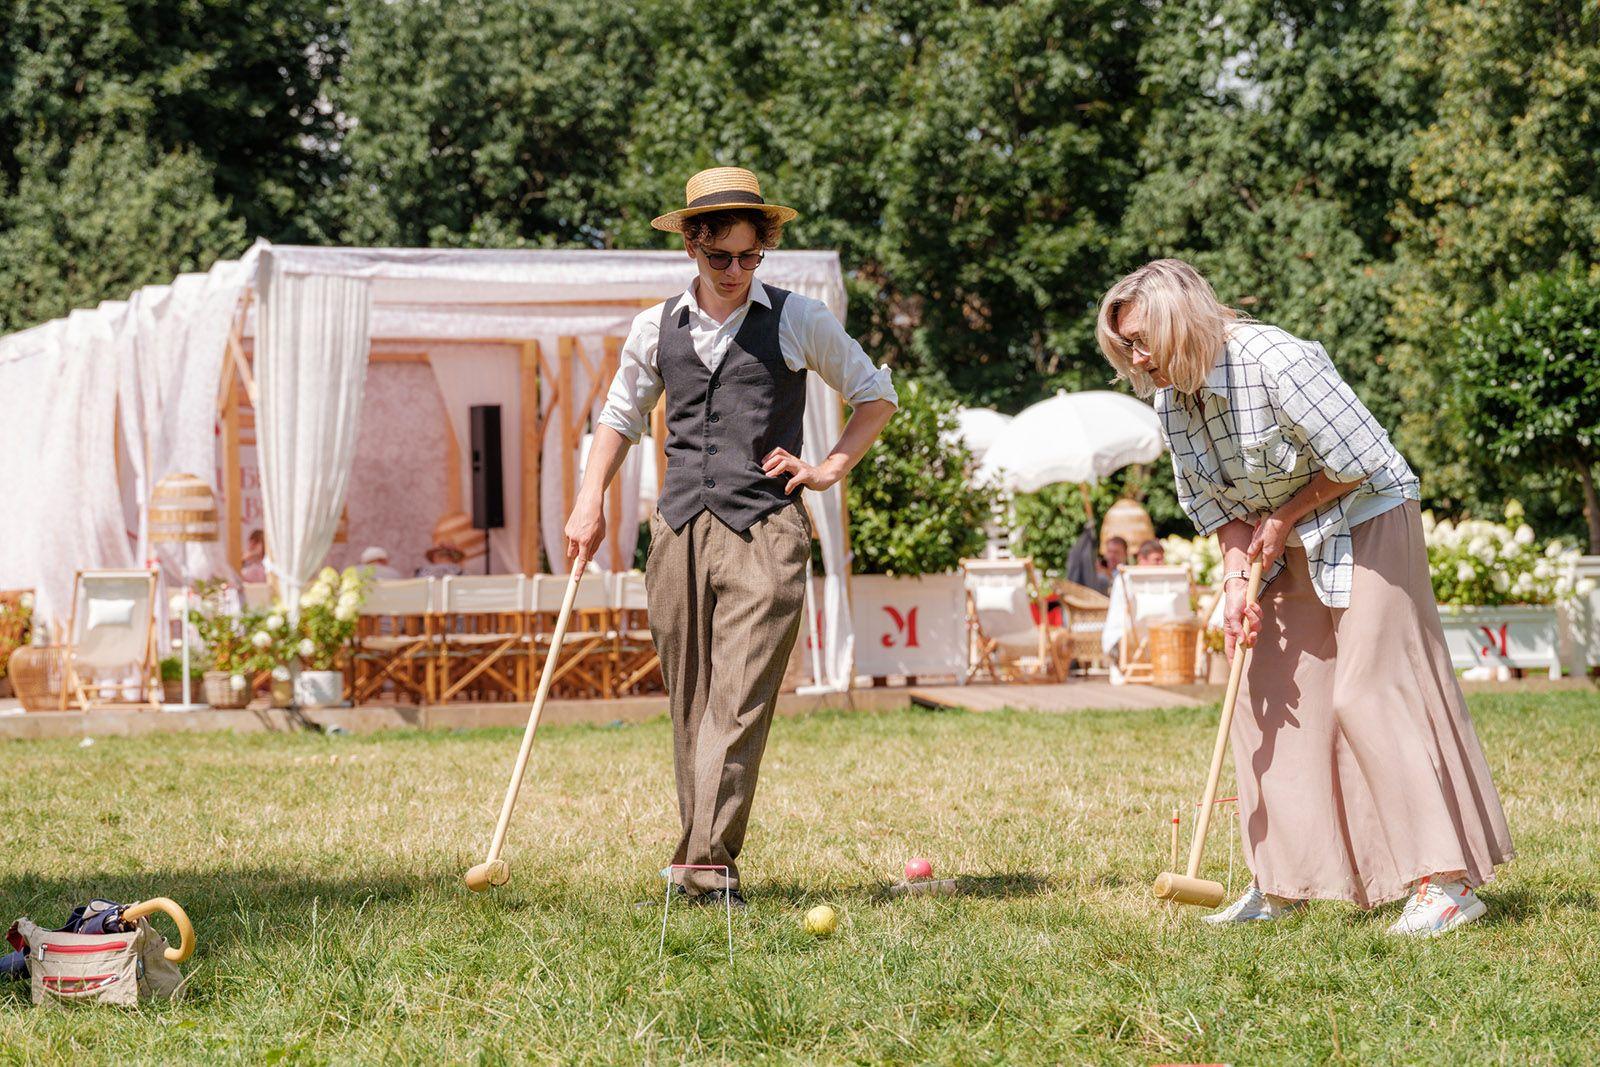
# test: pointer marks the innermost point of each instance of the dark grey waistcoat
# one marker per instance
(721, 426)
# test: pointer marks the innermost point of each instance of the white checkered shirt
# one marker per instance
(1271, 414)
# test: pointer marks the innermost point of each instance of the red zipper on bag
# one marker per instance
(78, 985)
(85, 950)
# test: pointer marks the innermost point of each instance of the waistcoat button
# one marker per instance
(710, 484)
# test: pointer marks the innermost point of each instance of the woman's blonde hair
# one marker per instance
(1185, 326)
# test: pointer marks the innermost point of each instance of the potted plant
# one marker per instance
(16, 622)
(225, 635)
(172, 680)
(1500, 593)
(272, 651)
(328, 612)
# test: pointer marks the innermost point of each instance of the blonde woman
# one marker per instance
(1360, 775)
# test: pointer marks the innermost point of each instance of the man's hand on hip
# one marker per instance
(780, 462)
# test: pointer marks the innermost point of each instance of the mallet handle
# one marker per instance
(1224, 721)
(545, 676)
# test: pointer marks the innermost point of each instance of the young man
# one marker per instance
(729, 539)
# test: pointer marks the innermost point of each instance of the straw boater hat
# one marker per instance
(722, 189)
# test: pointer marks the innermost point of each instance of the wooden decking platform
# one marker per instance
(1083, 695)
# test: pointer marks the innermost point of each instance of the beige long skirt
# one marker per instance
(1359, 769)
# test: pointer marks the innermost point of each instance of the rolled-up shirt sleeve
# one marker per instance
(636, 388)
(809, 331)
(1319, 408)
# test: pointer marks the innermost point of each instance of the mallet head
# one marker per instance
(484, 875)
(1185, 890)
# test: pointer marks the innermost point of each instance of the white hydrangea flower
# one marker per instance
(26, 601)
(1553, 549)
(1543, 569)
(261, 639)
(1524, 534)
(1587, 586)
(344, 614)
(236, 683)
(308, 647)
(281, 673)
(274, 622)
(328, 575)
(1502, 582)
(1465, 571)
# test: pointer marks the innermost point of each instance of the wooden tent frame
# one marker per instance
(536, 369)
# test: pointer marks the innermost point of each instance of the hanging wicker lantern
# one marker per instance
(183, 508)
(1128, 520)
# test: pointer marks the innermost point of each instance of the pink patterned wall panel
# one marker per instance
(398, 486)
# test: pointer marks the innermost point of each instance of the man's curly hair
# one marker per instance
(701, 230)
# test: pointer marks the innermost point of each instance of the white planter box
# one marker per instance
(1527, 638)
(1583, 616)
(909, 625)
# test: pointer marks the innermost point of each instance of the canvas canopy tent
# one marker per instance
(301, 379)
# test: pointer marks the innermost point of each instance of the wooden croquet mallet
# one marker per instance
(1188, 888)
(494, 870)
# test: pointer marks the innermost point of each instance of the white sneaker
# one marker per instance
(1255, 906)
(1437, 908)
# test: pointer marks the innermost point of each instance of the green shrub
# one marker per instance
(913, 507)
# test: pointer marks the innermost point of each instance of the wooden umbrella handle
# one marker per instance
(174, 911)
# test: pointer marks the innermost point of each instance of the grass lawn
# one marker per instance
(324, 877)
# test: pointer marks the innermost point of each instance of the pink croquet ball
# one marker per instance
(918, 869)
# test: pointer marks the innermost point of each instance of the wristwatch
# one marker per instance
(1231, 575)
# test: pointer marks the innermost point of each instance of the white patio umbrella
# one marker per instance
(980, 428)
(1077, 438)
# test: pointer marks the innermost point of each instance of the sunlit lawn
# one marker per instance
(323, 874)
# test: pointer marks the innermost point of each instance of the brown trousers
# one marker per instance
(725, 608)
(1359, 768)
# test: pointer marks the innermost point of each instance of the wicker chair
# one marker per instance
(1086, 618)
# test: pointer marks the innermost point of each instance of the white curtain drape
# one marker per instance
(552, 488)
(311, 368)
(62, 507)
(486, 374)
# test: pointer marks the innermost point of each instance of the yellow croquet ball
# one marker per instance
(822, 920)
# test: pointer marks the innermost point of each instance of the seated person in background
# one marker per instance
(1150, 554)
(377, 559)
(444, 561)
(1116, 555)
(253, 567)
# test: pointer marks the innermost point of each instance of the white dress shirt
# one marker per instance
(809, 336)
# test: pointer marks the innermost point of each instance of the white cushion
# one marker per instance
(987, 597)
(1164, 604)
(110, 613)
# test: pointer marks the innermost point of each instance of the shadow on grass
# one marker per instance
(1005, 885)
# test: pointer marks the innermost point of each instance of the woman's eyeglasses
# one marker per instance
(722, 260)
(1134, 346)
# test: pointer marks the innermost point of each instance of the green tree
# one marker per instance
(492, 123)
(237, 82)
(913, 507)
(1274, 152)
(1504, 180)
(118, 216)
(1524, 383)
